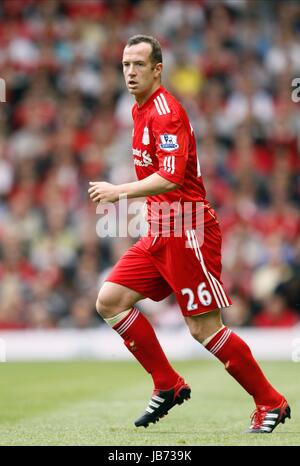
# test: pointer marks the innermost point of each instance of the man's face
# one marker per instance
(140, 74)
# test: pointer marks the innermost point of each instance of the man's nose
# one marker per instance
(132, 70)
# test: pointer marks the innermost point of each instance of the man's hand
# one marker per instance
(103, 192)
(154, 184)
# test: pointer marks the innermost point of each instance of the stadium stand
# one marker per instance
(67, 120)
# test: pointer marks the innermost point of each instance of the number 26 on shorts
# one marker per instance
(203, 295)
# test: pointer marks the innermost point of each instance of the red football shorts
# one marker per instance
(189, 266)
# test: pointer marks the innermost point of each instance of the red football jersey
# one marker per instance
(164, 142)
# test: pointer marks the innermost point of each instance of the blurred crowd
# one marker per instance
(67, 121)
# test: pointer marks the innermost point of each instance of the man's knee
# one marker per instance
(114, 299)
(105, 305)
(202, 327)
(197, 331)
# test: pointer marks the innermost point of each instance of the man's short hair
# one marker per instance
(156, 54)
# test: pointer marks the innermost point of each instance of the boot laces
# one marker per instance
(257, 417)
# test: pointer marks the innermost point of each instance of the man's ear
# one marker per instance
(158, 70)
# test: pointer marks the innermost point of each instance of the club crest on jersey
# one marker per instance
(146, 138)
(168, 142)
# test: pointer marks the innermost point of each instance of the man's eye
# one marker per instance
(126, 65)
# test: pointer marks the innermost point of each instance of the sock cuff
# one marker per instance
(208, 339)
(112, 321)
(219, 339)
(128, 320)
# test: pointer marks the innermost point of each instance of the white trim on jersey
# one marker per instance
(157, 107)
(169, 164)
(161, 105)
(173, 165)
(216, 282)
(165, 163)
(160, 102)
(165, 103)
(193, 245)
(216, 287)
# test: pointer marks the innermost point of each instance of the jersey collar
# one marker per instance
(148, 102)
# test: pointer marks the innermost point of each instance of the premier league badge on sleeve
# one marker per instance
(168, 142)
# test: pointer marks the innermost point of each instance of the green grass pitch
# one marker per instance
(96, 403)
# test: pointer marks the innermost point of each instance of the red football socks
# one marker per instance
(140, 339)
(236, 355)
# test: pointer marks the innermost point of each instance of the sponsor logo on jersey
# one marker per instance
(146, 138)
(144, 159)
(168, 142)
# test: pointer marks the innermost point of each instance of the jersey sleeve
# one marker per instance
(171, 142)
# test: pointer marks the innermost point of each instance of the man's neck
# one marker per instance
(140, 100)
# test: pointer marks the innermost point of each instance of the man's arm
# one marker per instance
(150, 186)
